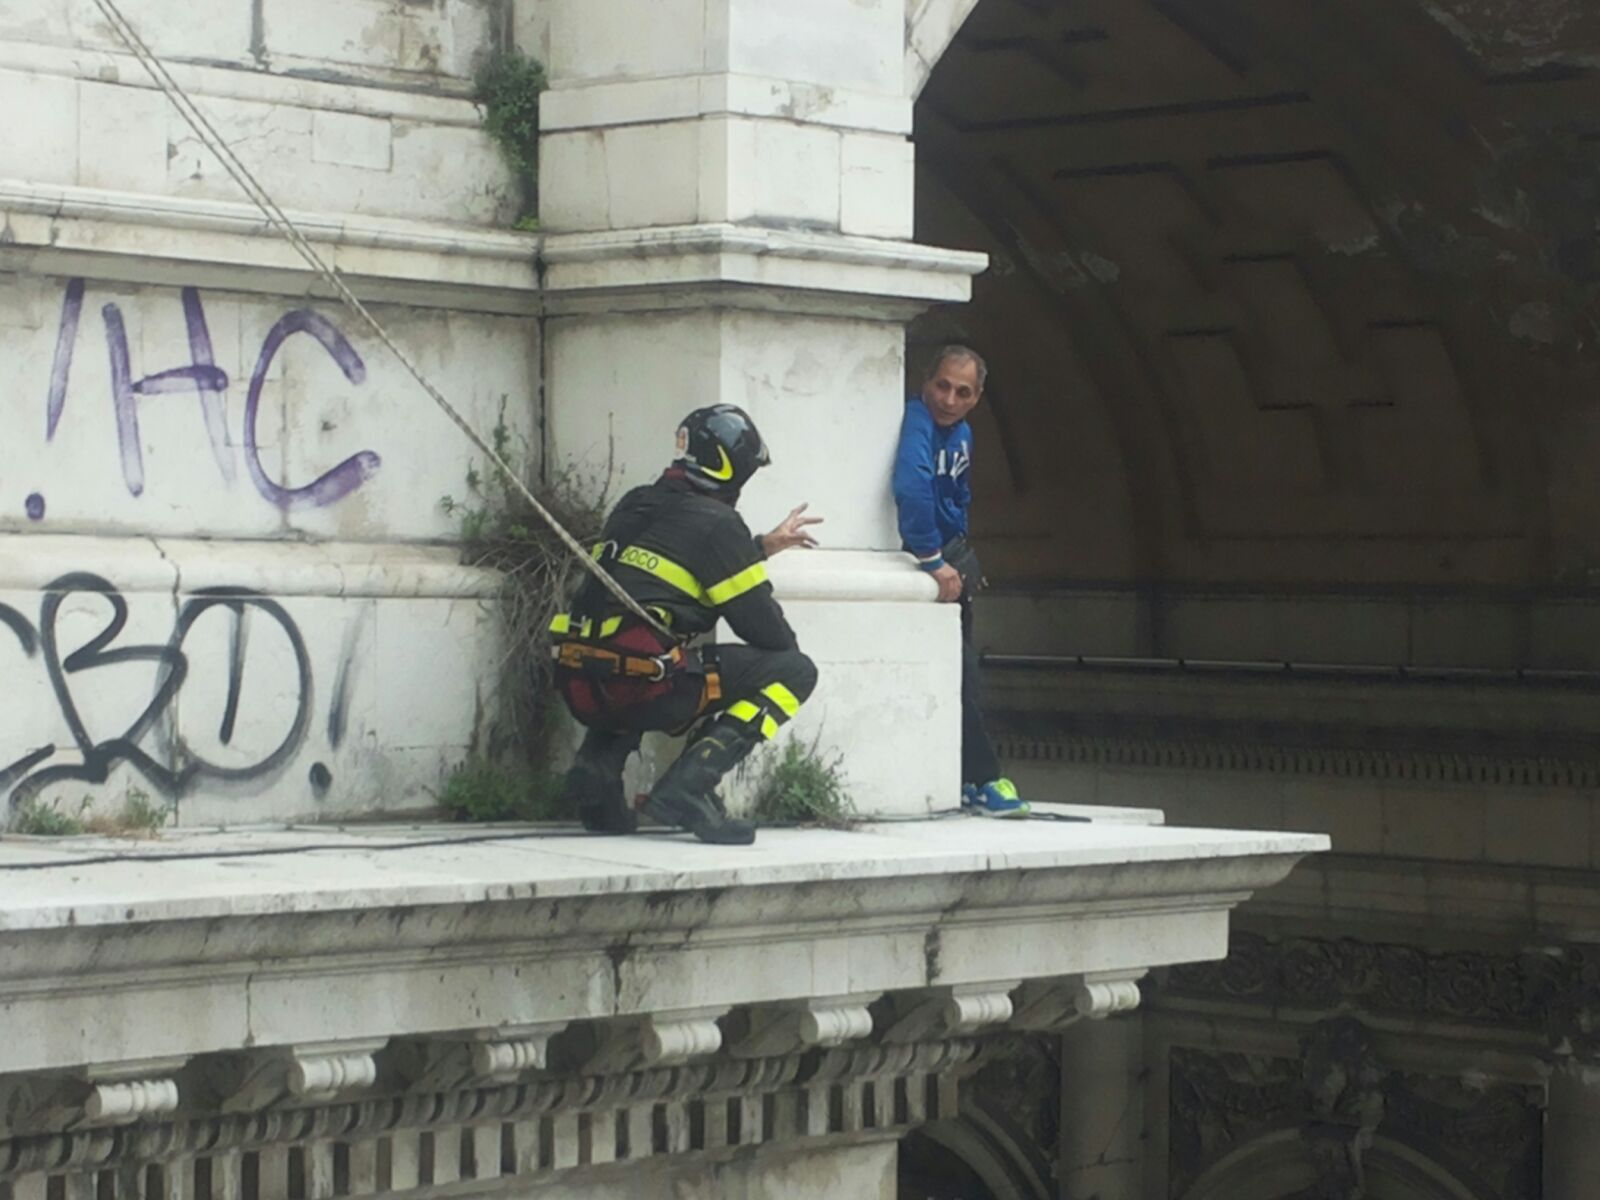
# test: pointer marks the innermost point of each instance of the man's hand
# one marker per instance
(949, 581)
(791, 531)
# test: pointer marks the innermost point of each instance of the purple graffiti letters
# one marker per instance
(213, 408)
(61, 367)
(209, 382)
(352, 472)
(205, 377)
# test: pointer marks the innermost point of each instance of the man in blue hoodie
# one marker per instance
(933, 490)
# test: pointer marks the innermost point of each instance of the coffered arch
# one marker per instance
(1298, 296)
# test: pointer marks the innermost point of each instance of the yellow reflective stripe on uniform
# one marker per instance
(769, 728)
(609, 626)
(786, 700)
(561, 623)
(743, 710)
(663, 568)
(737, 585)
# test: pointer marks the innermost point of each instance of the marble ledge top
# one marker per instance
(275, 871)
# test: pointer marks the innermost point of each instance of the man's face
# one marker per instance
(952, 390)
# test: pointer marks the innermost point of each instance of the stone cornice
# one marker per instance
(419, 937)
(135, 237)
(748, 266)
(147, 238)
(555, 1122)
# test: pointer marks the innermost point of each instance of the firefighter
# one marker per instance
(680, 549)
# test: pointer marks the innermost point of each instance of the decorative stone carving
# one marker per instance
(321, 1073)
(501, 1060)
(709, 1106)
(1054, 1004)
(131, 1100)
(657, 1040)
(952, 1011)
(1554, 990)
(477, 1057)
(787, 1028)
(665, 1041)
(1336, 1101)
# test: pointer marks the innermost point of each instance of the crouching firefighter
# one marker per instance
(680, 549)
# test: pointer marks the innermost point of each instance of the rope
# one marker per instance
(212, 140)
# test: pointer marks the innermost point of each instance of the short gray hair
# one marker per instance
(956, 350)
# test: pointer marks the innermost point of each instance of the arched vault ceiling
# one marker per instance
(1301, 293)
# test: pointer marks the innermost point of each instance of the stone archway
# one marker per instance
(1280, 1166)
(971, 1158)
(1241, 296)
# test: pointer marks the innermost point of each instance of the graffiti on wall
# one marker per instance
(208, 383)
(74, 677)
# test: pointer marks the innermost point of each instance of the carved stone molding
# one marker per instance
(131, 1100)
(501, 1056)
(476, 1057)
(1554, 990)
(787, 1028)
(323, 1072)
(117, 1094)
(953, 1011)
(1335, 1102)
(552, 1124)
(1054, 1004)
(657, 1040)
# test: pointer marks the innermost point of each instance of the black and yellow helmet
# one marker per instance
(719, 448)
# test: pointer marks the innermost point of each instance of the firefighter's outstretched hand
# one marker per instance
(792, 531)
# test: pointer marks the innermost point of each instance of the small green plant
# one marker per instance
(803, 786)
(508, 87)
(140, 816)
(36, 819)
(482, 790)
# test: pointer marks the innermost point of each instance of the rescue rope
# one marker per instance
(212, 140)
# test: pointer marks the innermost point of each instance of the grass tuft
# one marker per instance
(34, 818)
(482, 790)
(803, 786)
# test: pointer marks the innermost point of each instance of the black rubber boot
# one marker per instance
(594, 784)
(686, 795)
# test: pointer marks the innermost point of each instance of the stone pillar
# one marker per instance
(1572, 1131)
(726, 187)
(1103, 1109)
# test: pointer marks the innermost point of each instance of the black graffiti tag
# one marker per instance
(98, 757)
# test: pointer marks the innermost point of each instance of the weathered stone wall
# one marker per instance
(223, 583)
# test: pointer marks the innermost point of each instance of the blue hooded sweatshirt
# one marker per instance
(932, 485)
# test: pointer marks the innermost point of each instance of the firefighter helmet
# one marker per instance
(719, 448)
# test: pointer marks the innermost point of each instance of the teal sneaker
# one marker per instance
(997, 798)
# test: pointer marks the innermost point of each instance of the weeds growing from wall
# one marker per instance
(499, 530)
(803, 785)
(483, 790)
(139, 817)
(508, 88)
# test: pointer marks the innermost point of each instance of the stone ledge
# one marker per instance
(347, 570)
(321, 938)
(790, 270)
(244, 81)
(129, 236)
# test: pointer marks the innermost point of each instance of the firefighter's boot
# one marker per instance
(594, 784)
(686, 795)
